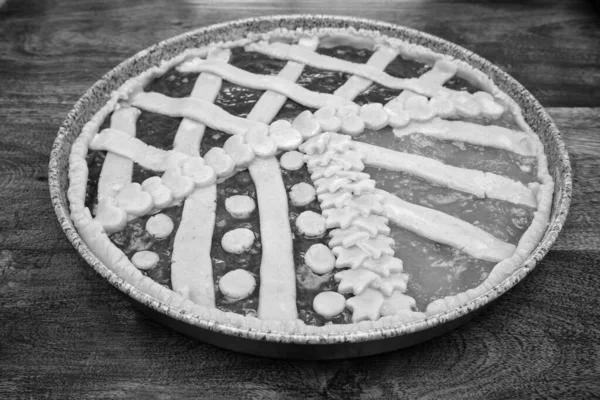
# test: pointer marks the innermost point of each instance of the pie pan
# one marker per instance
(307, 346)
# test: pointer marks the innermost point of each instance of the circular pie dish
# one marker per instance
(307, 346)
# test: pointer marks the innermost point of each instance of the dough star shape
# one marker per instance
(355, 280)
(366, 306)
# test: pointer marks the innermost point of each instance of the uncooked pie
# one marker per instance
(310, 181)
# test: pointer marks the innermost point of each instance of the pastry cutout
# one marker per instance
(292, 160)
(306, 124)
(366, 306)
(374, 116)
(237, 241)
(339, 235)
(378, 246)
(241, 153)
(418, 108)
(202, 174)
(237, 285)
(384, 266)
(180, 185)
(398, 303)
(240, 206)
(319, 259)
(219, 161)
(443, 106)
(337, 199)
(134, 200)
(161, 195)
(302, 194)
(466, 105)
(374, 224)
(392, 283)
(397, 115)
(355, 280)
(311, 224)
(145, 260)
(160, 226)
(352, 257)
(340, 217)
(329, 304)
(260, 142)
(286, 137)
(328, 120)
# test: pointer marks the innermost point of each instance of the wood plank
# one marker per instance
(552, 47)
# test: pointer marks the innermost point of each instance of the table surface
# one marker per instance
(65, 332)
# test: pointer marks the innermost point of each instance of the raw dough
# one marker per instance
(311, 224)
(145, 260)
(292, 160)
(302, 194)
(237, 285)
(238, 240)
(329, 304)
(240, 206)
(160, 226)
(319, 259)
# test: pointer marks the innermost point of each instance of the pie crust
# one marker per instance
(358, 212)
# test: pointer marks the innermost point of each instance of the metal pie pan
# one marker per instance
(290, 345)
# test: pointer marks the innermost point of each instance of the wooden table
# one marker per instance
(65, 332)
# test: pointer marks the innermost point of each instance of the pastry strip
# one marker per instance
(277, 297)
(277, 84)
(191, 265)
(297, 53)
(446, 229)
(117, 169)
(490, 135)
(481, 184)
(356, 84)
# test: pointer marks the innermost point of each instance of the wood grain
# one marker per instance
(66, 333)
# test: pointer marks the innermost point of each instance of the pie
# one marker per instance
(321, 180)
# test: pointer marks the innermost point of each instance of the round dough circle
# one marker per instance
(292, 160)
(145, 260)
(238, 240)
(237, 285)
(311, 224)
(319, 259)
(160, 226)
(302, 194)
(240, 206)
(329, 304)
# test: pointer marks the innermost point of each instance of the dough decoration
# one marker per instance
(302, 194)
(237, 240)
(329, 304)
(357, 213)
(160, 226)
(145, 260)
(292, 160)
(311, 224)
(319, 259)
(240, 206)
(237, 285)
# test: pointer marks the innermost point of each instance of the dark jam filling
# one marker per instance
(435, 270)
